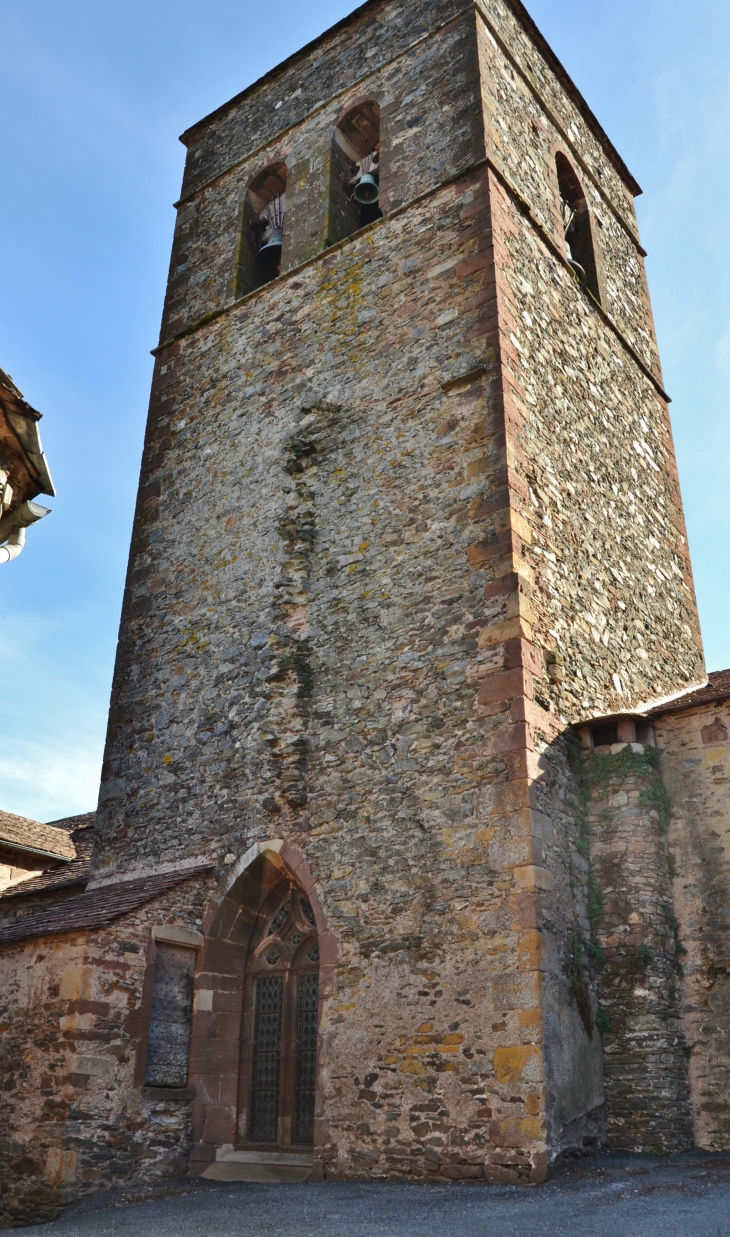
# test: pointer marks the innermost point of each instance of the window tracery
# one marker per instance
(280, 1023)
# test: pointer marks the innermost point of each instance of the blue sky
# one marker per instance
(92, 98)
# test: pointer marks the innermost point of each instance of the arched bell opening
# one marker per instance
(354, 171)
(254, 1039)
(576, 225)
(262, 224)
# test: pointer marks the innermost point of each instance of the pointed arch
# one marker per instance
(577, 225)
(288, 858)
(258, 997)
(280, 1022)
(354, 153)
(261, 229)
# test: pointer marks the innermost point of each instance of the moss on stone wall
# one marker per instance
(627, 809)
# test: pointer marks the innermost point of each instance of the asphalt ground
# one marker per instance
(611, 1196)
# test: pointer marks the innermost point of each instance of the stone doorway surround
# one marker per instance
(215, 1056)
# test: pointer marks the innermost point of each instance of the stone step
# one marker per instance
(230, 1170)
(232, 1164)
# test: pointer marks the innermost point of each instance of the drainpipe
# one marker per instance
(13, 526)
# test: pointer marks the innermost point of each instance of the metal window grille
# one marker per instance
(306, 1057)
(279, 918)
(266, 1059)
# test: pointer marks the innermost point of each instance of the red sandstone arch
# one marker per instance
(231, 924)
(268, 184)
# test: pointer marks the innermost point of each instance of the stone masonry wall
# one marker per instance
(575, 1094)
(606, 568)
(315, 676)
(365, 43)
(337, 614)
(404, 514)
(695, 760)
(605, 550)
(430, 128)
(526, 123)
(631, 909)
(72, 1118)
(192, 690)
(591, 376)
(557, 105)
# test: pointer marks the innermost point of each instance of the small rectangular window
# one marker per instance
(605, 735)
(170, 1019)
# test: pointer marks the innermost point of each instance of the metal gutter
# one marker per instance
(33, 850)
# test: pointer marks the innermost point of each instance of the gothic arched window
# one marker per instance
(261, 229)
(354, 193)
(576, 221)
(281, 1017)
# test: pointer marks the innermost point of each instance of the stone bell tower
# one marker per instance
(408, 511)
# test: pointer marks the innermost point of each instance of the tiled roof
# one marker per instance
(66, 875)
(96, 907)
(718, 688)
(30, 835)
(72, 823)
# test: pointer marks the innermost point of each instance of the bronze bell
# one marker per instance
(367, 190)
(269, 255)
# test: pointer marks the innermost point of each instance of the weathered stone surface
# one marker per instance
(644, 1042)
(695, 757)
(405, 514)
(72, 1117)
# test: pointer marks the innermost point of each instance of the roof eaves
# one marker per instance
(12, 844)
(64, 877)
(95, 908)
(23, 421)
(711, 694)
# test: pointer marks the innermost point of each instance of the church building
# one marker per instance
(412, 856)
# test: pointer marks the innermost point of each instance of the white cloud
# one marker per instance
(46, 779)
(53, 725)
